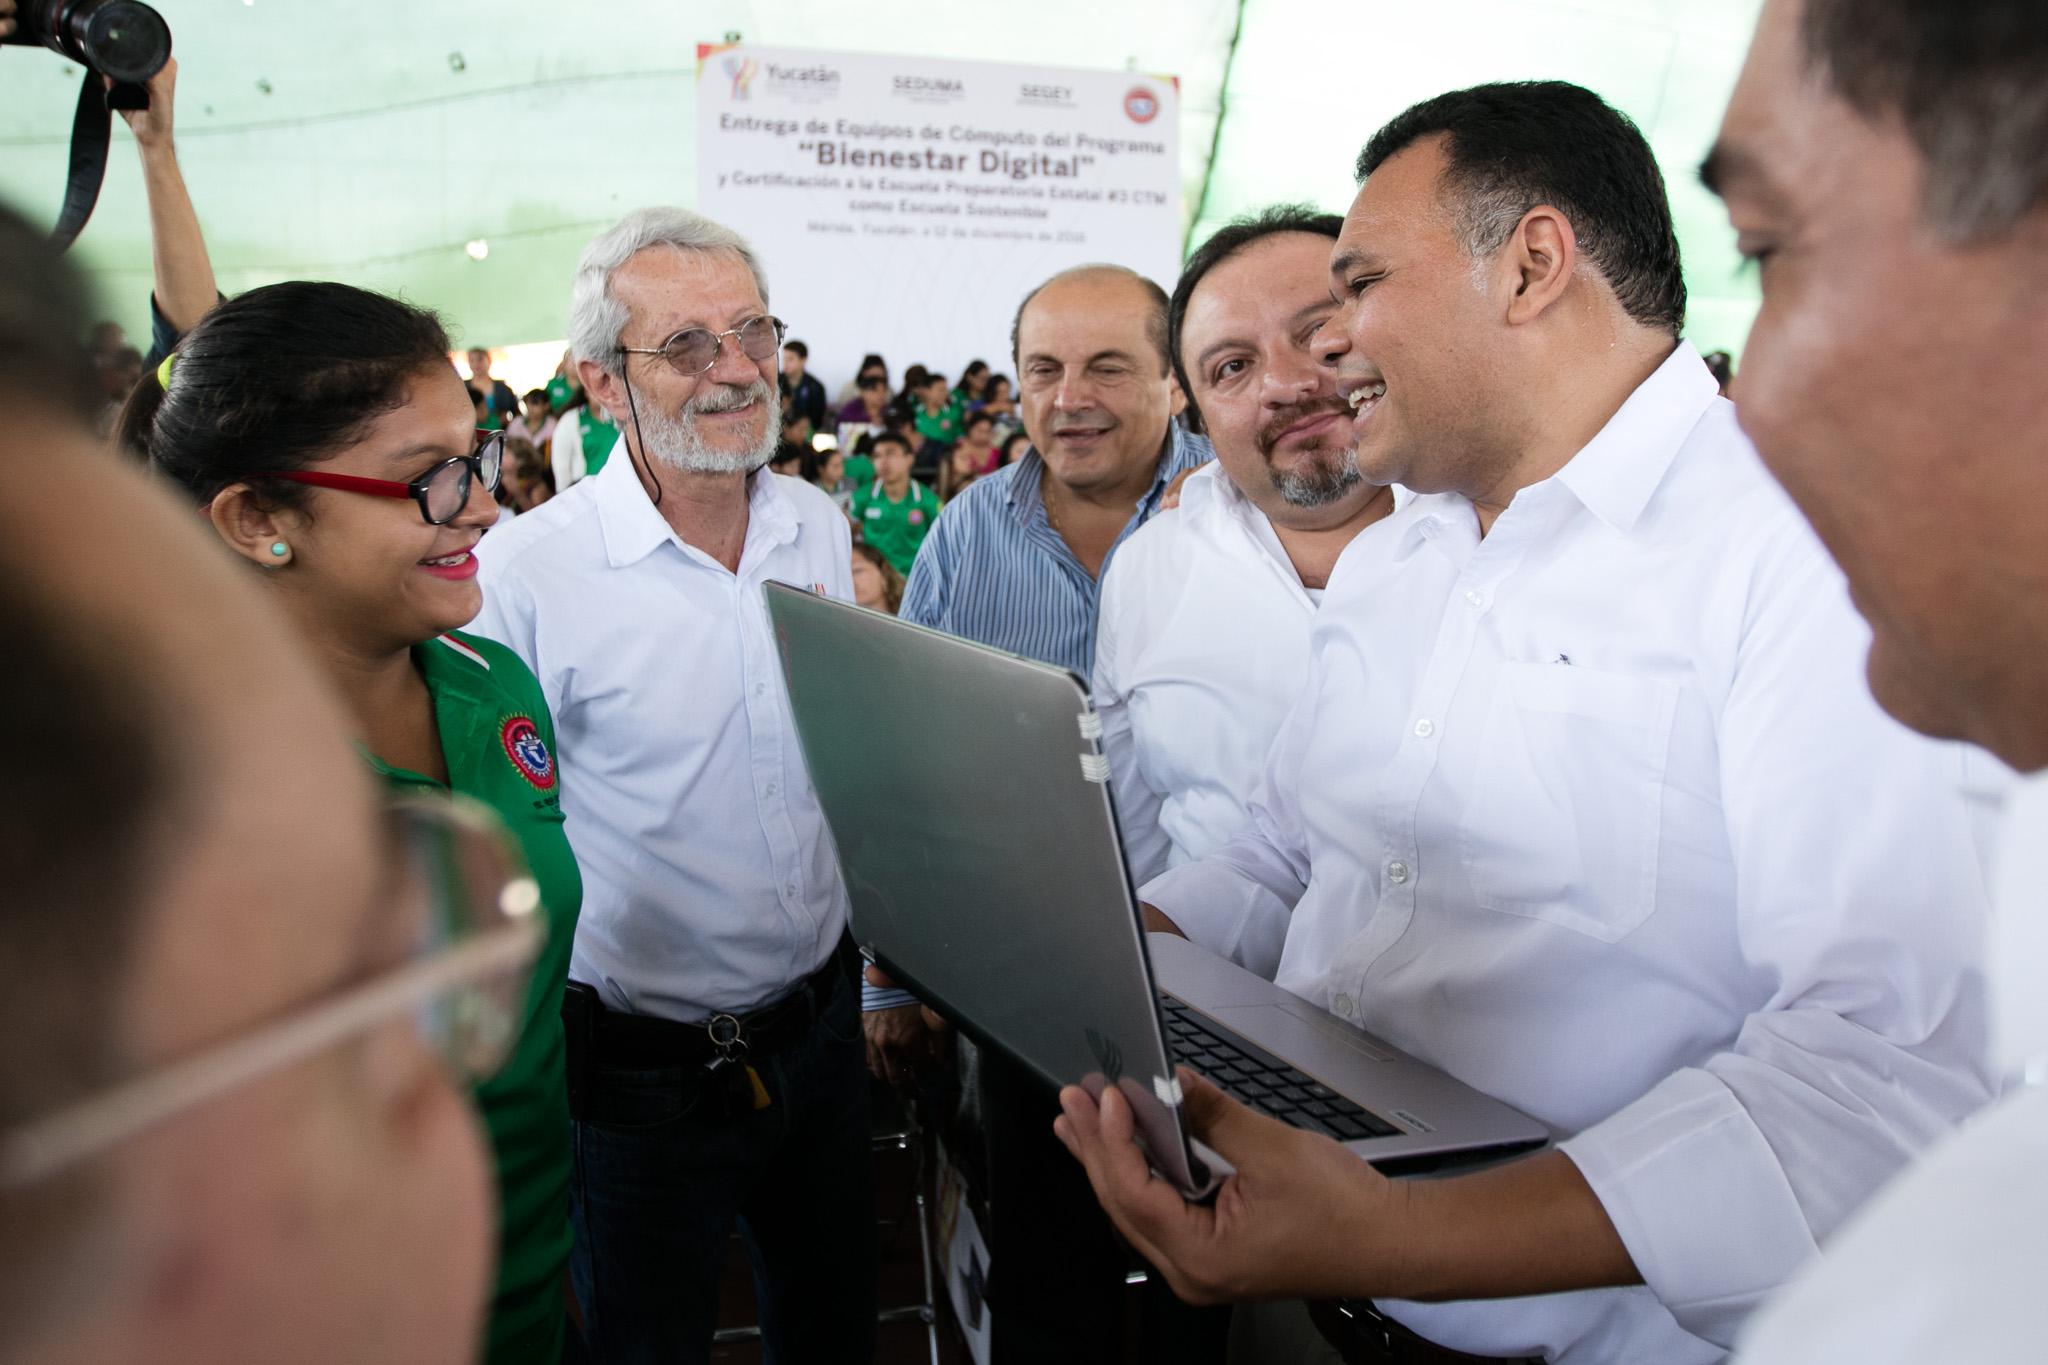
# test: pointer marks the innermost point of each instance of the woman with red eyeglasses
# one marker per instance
(323, 432)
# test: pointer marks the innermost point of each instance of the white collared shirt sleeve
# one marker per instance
(1723, 1179)
(1146, 844)
(1239, 901)
(1947, 1262)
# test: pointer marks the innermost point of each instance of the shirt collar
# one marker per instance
(634, 527)
(1211, 492)
(1616, 472)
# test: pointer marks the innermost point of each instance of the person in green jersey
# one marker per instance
(938, 411)
(860, 469)
(895, 513)
(322, 431)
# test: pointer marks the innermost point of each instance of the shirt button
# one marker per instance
(1397, 872)
(760, 689)
(1476, 598)
(1424, 728)
(789, 890)
(770, 789)
(1342, 1004)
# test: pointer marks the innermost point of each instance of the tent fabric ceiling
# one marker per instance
(369, 142)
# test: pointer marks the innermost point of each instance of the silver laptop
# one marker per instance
(969, 802)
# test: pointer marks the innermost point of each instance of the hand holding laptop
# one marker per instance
(1302, 1217)
(1156, 921)
(902, 1040)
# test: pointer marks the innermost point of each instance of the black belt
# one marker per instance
(1365, 1336)
(642, 1041)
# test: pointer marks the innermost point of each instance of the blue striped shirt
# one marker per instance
(994, 570)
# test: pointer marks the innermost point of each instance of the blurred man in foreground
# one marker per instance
(195, 861)
(1886, 164)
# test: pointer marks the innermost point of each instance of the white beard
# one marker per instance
(676, 442)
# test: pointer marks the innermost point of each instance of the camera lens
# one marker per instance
(119, 38)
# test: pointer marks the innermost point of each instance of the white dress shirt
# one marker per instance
(1200, 651)
(709, 882)
(1596, 813)
(1949, 1262)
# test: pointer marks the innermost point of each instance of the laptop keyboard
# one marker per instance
(1253, 1076)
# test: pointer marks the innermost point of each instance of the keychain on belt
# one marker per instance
(743, 1083)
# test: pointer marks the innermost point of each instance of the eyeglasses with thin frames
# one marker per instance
(695, 349)
(479, 930)
(442, 492)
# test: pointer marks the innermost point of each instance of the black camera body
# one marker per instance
(124, 39)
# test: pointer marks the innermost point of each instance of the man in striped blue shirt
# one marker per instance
(1015, 561)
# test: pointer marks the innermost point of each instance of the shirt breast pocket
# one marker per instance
(1567, 806)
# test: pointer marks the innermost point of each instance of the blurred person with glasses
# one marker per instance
(224, 976)
(722, 1074)
(329, 442)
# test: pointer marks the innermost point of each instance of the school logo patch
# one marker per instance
(916, 517)
(528, 752)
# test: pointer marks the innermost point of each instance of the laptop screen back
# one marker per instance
(967, 800)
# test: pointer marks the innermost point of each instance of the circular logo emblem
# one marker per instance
(523, 745)
(1141, 104)
(916, 517)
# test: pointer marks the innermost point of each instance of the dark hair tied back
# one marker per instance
(274, 380)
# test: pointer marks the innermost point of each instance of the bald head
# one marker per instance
(1117, 287)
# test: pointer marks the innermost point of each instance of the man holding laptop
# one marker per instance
(1203, 641)
(1585, 803)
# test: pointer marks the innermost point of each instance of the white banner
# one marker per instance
(906, 205)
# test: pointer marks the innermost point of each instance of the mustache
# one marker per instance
(726, 398)
(1062, 426)
(1272, 429)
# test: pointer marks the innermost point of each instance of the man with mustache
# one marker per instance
(1203, 643)
(1584, 802)
(1885, 163)
(722, 1073)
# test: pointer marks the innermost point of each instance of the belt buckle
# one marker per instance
(728, 1037)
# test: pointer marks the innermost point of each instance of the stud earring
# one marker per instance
(279, 549)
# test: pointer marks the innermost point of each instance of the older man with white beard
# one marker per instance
(717, 1067)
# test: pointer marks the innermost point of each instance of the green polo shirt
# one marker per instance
(600, 437)
(896, 528)
(861, 470)
(499, 743)
(943, 425)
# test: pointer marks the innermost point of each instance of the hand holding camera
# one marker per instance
(122, 44)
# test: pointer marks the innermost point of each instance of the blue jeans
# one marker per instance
(660, 1181)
